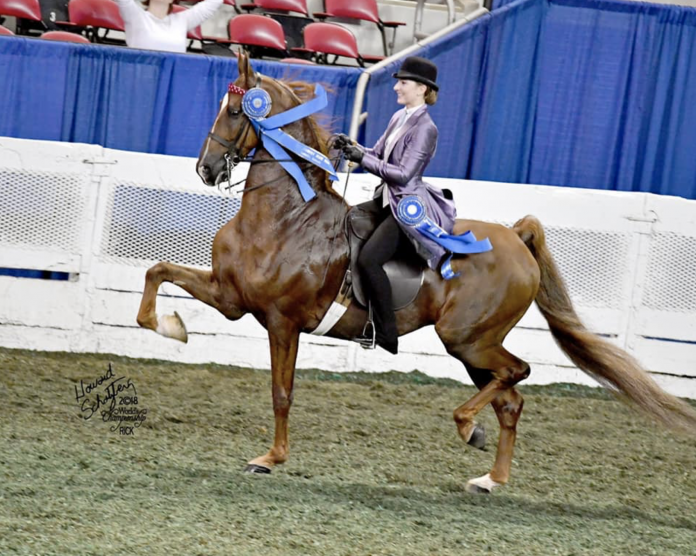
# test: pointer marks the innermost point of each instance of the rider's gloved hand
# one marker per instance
(353, 153)
(341, 140)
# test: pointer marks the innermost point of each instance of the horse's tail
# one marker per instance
(609, 365)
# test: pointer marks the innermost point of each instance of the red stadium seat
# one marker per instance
(95, 15)
(324, 39)
(64, 36)
(256, 32)
(362, 10)
(284, 6)
(297, 61)
(23, 10)
(4, 31)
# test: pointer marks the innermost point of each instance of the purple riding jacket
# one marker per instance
(401, 166)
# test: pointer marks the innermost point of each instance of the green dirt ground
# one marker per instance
(376, 468)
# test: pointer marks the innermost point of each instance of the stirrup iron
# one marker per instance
(368, 339)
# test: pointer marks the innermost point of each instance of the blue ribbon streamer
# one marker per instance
(411, 211)
(276, 141)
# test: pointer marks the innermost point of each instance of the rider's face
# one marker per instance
(410, 93)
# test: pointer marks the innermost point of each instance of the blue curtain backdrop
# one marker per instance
(486, 106)
(130, 99)
(580, 93)
(616, 105)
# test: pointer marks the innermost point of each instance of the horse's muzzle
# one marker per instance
(205, 173)
(212, 175)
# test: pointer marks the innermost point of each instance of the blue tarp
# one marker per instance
(131, 99)
(616, 103)
(580, 93)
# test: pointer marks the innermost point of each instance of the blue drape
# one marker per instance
(130, 99)
(616, 103)
(581, 93)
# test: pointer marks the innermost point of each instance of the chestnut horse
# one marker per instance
(283, 260)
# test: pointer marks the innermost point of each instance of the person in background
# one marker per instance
(157, 28)
(400, 158)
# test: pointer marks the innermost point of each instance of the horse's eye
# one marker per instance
(234, 112)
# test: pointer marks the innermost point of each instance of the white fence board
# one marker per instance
(627, 259)
(41, 303)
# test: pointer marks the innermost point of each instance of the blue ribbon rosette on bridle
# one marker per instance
(256, 105)
(411, 212)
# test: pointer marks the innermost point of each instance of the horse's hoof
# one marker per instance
(478, 437)
(171, 326)
(475, 489)
(482, 485)
(253, 468)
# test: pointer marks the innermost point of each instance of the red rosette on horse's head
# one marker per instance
(236, 90)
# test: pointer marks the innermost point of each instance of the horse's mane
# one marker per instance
(321, 124)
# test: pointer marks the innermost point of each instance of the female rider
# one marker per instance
(400, 158)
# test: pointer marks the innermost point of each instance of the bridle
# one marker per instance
(232, 156)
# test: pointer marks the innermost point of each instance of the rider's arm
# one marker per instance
(420, 147)
(130, 10)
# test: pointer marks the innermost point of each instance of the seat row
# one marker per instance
(346, 10)
(259, 35)
(105, 13)
(64, 36)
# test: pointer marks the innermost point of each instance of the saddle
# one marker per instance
(405, 270)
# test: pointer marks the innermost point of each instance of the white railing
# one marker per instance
(104, 216)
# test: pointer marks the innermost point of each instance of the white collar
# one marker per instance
(410, 111)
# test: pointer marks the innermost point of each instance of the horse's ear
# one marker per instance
(245, 70)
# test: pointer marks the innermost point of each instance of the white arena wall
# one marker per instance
(105, 216)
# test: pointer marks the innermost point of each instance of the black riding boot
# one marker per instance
(379, 248)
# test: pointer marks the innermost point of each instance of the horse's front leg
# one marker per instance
(284, 338)
(199, 283)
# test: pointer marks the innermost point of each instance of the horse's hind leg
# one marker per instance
(198, 283)
(494, 371)
(508, 408)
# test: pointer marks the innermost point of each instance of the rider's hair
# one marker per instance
(430, 96)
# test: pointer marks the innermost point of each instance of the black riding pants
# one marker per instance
(385, 241)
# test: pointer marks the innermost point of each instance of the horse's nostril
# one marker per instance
(205, 173)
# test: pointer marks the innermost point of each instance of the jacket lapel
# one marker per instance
(413, 120)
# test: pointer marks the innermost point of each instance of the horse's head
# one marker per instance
(232, 136)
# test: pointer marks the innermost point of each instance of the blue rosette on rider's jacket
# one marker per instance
(411, 212)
